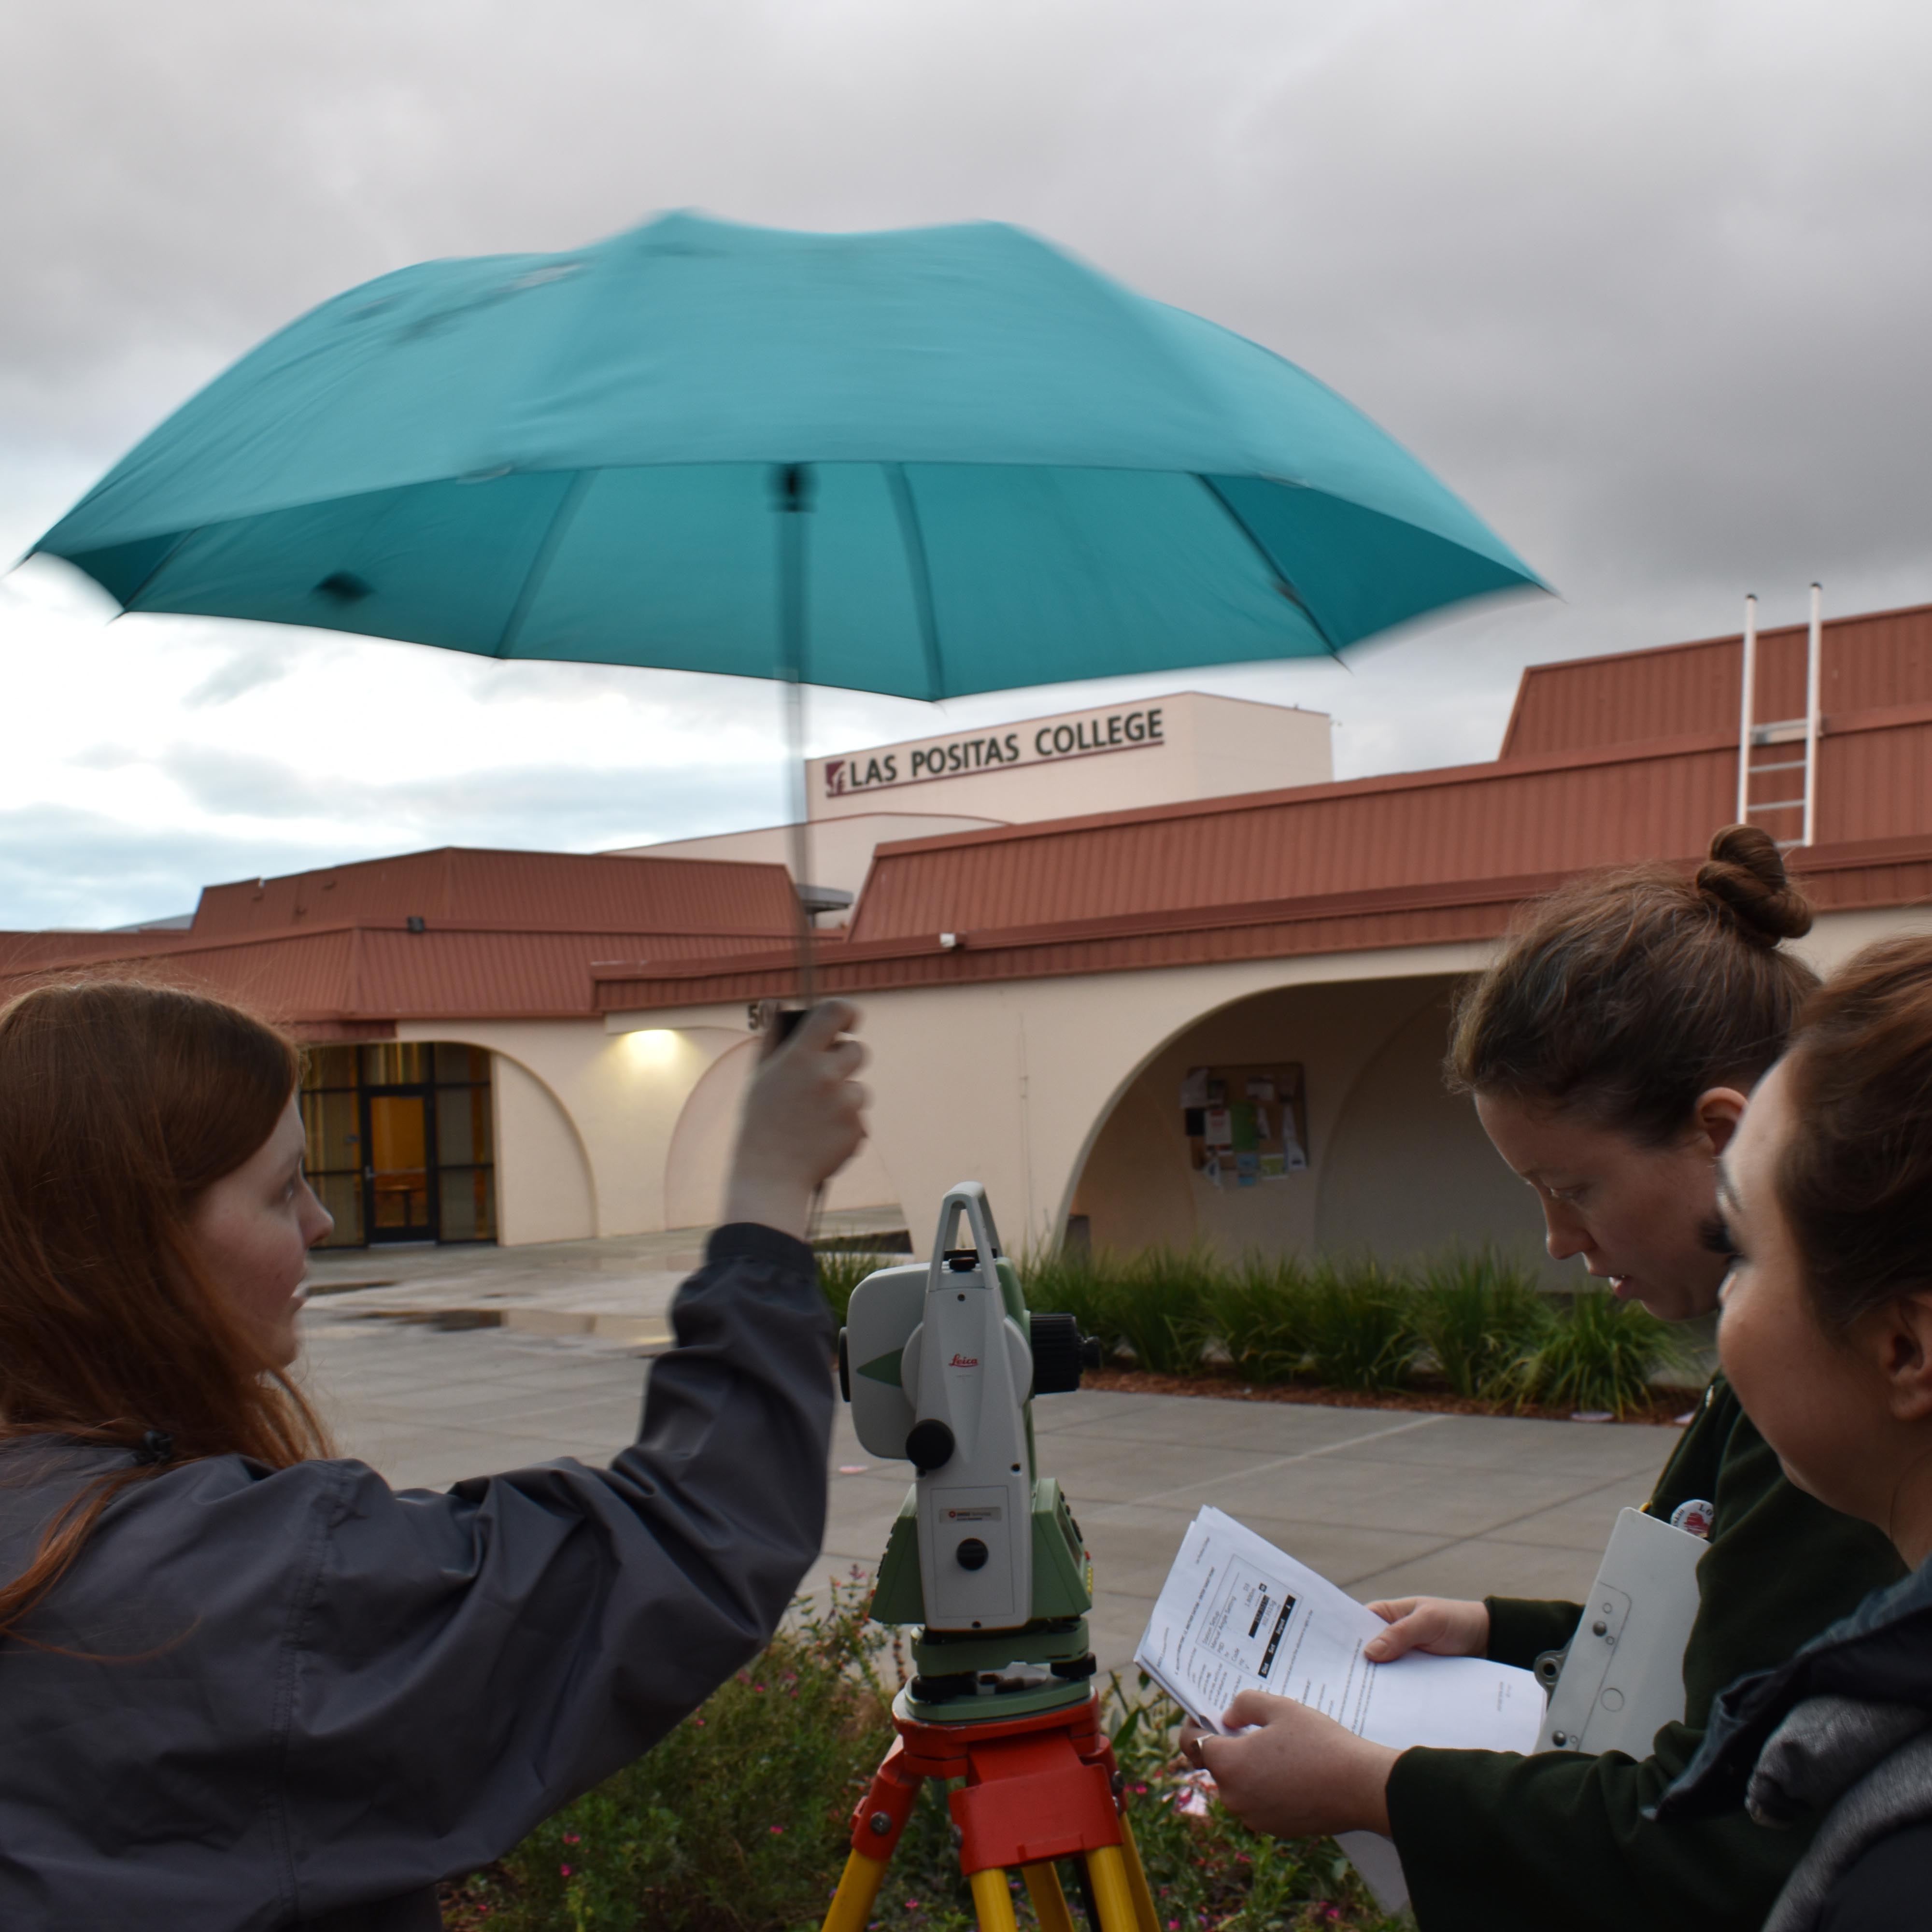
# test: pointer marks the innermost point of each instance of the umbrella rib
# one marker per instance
(173, 550)
(914, 533)
(1282, 581)
(540, 564)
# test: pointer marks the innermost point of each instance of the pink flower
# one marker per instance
(572, 1838)
(777, 1830)
(563, 1871)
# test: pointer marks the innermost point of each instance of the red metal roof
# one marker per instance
(506, 935)
(534, 892)
(1879, 873)
(1878, 662)
(1607, 760)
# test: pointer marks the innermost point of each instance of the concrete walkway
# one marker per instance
(475, 1360)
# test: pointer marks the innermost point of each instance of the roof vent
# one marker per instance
(416, 921)
(823, 899)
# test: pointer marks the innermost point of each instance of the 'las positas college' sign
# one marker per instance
(1123, 730)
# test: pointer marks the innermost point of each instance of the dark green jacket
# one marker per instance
(1491, 1840)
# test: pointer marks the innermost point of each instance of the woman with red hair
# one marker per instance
(243, 1683)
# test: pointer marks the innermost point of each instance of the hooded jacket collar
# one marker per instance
(1882, 1653)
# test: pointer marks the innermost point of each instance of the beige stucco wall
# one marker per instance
(620, 1097)
(1209, 747)
(545, 1191)
(1011, 1084)
(1409, 1168)
(1395, 1163)
(700, 1149)
(1017, 1084)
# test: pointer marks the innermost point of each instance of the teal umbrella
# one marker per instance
(1016, 471)
(927, 462)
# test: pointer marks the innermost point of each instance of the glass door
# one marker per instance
(400, 1204)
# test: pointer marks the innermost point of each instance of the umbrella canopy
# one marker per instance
(1016, 471)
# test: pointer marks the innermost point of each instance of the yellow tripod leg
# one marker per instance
(992, 1901)
(858, 1890)
(1113, 1896)
(1144, 1911)
(1049, 1902)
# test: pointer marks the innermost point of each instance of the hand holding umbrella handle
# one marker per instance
(802, 1123)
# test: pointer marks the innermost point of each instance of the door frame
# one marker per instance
(425, 1096)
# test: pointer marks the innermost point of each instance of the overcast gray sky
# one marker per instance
(1646, 281)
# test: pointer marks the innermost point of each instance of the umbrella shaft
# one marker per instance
(792, 483)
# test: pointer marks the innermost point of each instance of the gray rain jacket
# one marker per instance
(302, 1697)
(1840, 1733)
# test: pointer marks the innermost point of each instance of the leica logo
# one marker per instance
(964, 1362)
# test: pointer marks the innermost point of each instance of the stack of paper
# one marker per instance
(1237, 1614)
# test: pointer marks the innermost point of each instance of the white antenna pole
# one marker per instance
(1814, 650)
(1749, 705)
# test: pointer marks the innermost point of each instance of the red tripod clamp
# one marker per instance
(1037, 1788)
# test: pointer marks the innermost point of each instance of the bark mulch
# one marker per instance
(1667, 1408)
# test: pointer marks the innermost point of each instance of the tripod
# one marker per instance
(1037, 1788)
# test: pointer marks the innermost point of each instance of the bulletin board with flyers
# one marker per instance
(1245, 1124)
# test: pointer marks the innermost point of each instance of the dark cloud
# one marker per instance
(62, 867)
(570, 806)
(1646, 283)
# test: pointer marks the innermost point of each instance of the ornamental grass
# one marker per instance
(1470, 1320)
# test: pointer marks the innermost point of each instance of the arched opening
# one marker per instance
(1411, 1167)
(1382, 1158)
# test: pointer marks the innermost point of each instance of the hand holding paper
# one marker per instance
(1298, 1774)
(1443, 1626)
(1242, 1633)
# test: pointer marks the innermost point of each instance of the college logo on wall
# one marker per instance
(1125, 731)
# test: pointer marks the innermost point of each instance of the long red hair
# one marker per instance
(120, 1103)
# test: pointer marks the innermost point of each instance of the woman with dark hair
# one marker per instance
(244, 1684)
(1827, 1336)
(1610, 1050)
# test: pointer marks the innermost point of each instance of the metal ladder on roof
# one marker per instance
(1753, 737)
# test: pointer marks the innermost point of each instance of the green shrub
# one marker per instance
(1062, 1280)
(840, 1271)
(1148, 1304)
(1360, 1325)
(1479, 1316)
(737, 1821)
(1599, 1354)
(1256, 1312)
(1156, 1304)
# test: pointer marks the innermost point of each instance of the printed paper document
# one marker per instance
(1237, 1614)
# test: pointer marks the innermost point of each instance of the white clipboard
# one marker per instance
(1623, 1679)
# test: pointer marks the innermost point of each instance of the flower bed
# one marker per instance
(737, 1822)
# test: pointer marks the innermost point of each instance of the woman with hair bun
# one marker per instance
(1610, 1050)
(243, 1684)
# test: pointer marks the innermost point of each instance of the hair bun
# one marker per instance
(1745, 875)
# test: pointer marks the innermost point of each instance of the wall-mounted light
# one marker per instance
(654, 1046)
